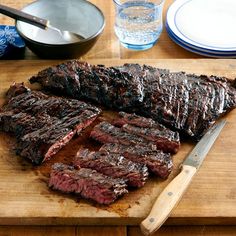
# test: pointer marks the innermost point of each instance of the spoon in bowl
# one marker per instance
(40, 22)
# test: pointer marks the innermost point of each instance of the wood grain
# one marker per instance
(167, 200)
(37, 231)
(61, 231)
(108, 47)
(210, 199)
(188, 230)
(103, 231)
(117, 231)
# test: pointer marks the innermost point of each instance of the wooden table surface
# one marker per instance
(108, 47)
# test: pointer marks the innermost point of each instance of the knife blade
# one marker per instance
(174, 191)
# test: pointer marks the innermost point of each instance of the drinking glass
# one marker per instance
(138, 23)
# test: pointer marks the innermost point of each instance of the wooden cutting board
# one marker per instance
(211, 198)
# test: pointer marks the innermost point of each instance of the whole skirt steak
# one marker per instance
(43, 124)
(185, 102)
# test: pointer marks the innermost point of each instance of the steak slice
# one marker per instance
(158, 162)
(107, 133)
(132, 135)
(133, 119)
(184, 102)
(43, 124)
(113, 165)
(87, 183)
(164, 138)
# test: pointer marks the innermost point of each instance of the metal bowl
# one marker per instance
(78, 16)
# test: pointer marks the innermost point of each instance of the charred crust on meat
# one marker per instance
(114, 165)
(41, 123)
(16, 89)
(86, 183)
(185, 102)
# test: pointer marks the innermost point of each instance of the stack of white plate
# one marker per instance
(205, 27)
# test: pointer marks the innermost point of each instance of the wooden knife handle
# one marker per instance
(20, 15)
(167, 200)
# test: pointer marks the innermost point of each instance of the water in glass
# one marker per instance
(138, 24)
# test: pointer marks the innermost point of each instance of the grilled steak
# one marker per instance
(185, 102)
(43, 124)
(133, 119)
(87, 183)
(82, 80)
(113, 165)
(158, 163)
(104, 132)
(133, 135)
(164, 138)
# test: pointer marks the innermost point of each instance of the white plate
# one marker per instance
(200, 52)
(208, 24)
(195, 47)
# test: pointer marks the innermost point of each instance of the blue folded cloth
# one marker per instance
(12, 45)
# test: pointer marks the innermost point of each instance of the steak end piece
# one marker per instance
(16, 89)
(113, 165)
(43, 124)
(158, 162)
(39, 150)
(87, 183)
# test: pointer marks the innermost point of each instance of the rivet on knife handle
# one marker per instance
(167, 200)
(174, 191)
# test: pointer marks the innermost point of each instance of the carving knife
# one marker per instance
(174, 191)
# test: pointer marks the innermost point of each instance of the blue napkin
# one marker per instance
(12, 45)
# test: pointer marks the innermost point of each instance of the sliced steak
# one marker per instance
(158, 162)
(185, 102)
(164, 138)
(43, 124)
(133, 119)
(133, 135)
(104, 132)
(113, 165)
(87, 183)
